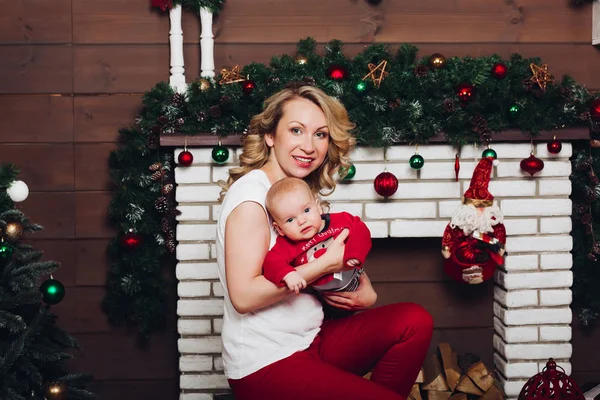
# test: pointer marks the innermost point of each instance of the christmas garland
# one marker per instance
(393, 98)
(191, 5)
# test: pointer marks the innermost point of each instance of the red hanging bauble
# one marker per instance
(551, 384)
(555, 146)
(131, 240)
(499, 70)
(248, 86)
(386, 184)
(185, 158)
(457, 165)
(532, 164)
(595, 108)
(465, 92)
(337, 72)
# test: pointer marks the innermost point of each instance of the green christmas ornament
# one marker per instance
(52, 291)
(514, 111)
(361, 86)
(220, 154)
(350, 173)
(489, 153)
(416, 161)
(6, 251)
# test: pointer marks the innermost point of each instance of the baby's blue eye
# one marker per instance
(289, 220)
(307, 210)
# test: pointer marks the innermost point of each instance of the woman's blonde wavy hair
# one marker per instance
(255, 151)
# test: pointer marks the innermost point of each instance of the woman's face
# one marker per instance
(301, 140)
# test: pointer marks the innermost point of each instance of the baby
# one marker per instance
(305, 233)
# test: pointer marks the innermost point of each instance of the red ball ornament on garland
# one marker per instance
(551, 384)
(532, 164)
(465, 92)
(595, 109)
(499, 71)
(131, 240)
(248, 86)
(337, 72)
(386, 184)
(185, 158)
(555, 146)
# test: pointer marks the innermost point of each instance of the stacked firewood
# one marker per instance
(448, 376)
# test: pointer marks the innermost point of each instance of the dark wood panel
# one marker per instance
(98, 118)
(35, 21)
(476, 341)
(43, 166)
(30, 119)
(91, 166)
(91, 211)
(120, 69)
(92, 262)
(142, 389)
(81, 312)
(36, 69)
(54, 211)
(120, 356)
(451, 304)
(265, 21)
(62, 251)
(586, 349)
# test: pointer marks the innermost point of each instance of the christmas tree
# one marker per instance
(33, 348)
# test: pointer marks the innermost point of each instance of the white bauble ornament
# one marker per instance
(17, 191)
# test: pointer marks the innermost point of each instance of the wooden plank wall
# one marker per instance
(73, 71)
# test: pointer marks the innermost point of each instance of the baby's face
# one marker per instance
(297, 215)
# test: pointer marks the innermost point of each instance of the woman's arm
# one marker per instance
(247, 238)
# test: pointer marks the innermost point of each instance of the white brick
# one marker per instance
(541, 149)
(193, 308)
(539, 243)
(216, 212)
(405, 228)
(400, 153)
(410, 210)
(563, 364)
(379, 229)
(533, 316)
(211, 381)
(196, 232)
(556, 261)
(501, 189)
(504, 150)
(192, 193)
(521, 226)
(518, 334)
(203, 155)
(521, 262)
(554, 187)
(218, 363)
(515, 370)
(550, 298)
(368, 172)
(193, 289)
(213, 250)
(516, 298)
(532, 351)
(192, 174)
(220, 173)
(535, 207)
(355, 191)
(556, 225)
(429, 151)
(428, 190)
(351, 208)
(193, 213)
(555, 333)
(200, 345)
(195, 396)
(535, 280)
(195, 363)
(362, 153)
(206, 270)
(512, 388)
(217, 325)
(192, 251)
(445, 170)
(551, 168)
(447, 208)
(217, 289)
(193, 326)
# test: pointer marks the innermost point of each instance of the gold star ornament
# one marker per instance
(232, 76)
(377, 72)
(541, 76)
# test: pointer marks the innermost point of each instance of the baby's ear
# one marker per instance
(278, 229)
(319, 208)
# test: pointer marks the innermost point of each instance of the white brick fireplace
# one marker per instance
(532, 294)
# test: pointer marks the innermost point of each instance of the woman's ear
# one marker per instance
(269, 139)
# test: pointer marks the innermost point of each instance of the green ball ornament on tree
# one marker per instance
(489, 153)
(350, 172)
(52, 291)
(416, 161)
(220, 154)
(514, 111)
(361, 87)
(6, 252)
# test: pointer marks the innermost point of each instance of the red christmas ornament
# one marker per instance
(457, 166)
(248, 86)
(551, 384)
(386, 184)
(554, 147)
(465, 92)
(532, 164)
(337, 72)
(595, 108)
(185, 158)
(131, 240)
(499, 70)
(164, 5)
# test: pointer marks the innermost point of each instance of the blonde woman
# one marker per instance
(277, 344)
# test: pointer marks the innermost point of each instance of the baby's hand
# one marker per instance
(353, 262)
(294, 281)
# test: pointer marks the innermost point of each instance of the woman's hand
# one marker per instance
(364, 297)
(334, 256)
